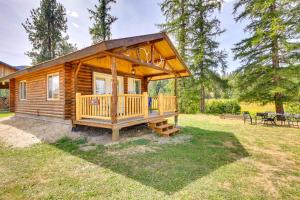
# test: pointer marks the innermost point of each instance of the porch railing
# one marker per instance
(94, 106)
(129, 106)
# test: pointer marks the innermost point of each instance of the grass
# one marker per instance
(5, 114)
(222, 159)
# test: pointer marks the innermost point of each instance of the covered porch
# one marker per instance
(105, 92)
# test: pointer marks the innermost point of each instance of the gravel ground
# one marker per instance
(24, 132)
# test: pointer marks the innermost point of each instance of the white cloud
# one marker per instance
(75, 25)
(72, 14)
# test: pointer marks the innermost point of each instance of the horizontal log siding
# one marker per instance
(85, 81)
(36, 102)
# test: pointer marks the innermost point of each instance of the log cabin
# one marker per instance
(104, 85)
(6, 69)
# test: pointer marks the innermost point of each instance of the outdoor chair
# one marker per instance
(269, 118)
(247, 116)
(282, 118)
(150, 104)
(262, 116)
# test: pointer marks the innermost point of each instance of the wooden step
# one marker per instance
(158, 121)
(164, 126)
(170, 132)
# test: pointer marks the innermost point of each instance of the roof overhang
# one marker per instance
(125, 49)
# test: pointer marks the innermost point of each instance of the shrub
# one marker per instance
(222, 106)
(292, 108)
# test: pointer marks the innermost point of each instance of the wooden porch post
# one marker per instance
(12, 95)
(145, 104)
(114, 99)
(160, 104)
(176, 100)
(78, 106)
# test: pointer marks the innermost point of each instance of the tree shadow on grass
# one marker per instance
(171, 166)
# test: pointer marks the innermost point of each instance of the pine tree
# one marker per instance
(177, 13)
(271, 54)
(177, 22)
(208, 60)
(46, 30)
(101, 29)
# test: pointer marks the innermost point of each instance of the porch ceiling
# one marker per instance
(154, 60)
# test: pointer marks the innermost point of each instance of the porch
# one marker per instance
(131, 109)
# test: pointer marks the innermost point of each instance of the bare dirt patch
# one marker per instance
(88, 148)
(177, 139)
(24, 132)
(133, 150)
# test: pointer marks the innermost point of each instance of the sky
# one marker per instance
(135, 17)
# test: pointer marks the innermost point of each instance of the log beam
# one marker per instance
(135, 61)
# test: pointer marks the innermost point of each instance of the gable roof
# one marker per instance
(97, 48)
(8, 65)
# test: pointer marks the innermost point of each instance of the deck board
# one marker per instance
(124, 122)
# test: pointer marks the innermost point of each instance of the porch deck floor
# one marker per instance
(122, 123)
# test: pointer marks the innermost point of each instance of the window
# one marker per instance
(137, 86)
(53, 86)
(99, 86)
(134, 86)
(23, 92)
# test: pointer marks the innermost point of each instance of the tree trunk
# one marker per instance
(278, 103)
(278, 97)
(202, 98)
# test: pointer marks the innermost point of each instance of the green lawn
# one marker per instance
(5, 114)
(223, 159)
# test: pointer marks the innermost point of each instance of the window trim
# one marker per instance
(20, 90)
(48, 75)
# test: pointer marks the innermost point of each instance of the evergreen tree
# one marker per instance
(46, 30)
(177, 13)
(208, 60)
(101, 29)
(271, 54)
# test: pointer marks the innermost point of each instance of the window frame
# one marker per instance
(140, 85)
(48, 75)
(20, 90)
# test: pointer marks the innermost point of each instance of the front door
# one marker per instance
(103, 84)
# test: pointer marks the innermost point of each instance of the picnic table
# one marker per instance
(274, 118)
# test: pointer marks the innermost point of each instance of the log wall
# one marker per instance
(36, 102)
(36, 83)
